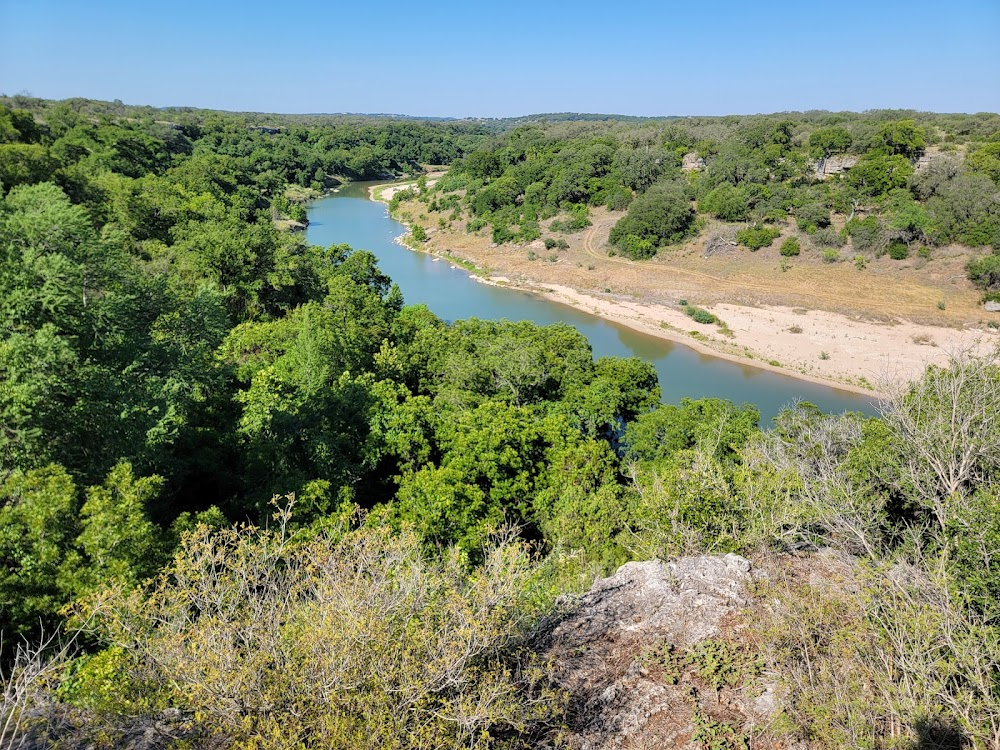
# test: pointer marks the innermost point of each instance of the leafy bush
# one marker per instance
(899, 251)
(790, 247)
(812, 216)
(419, 233)
(757, 237)
(698, 315)
(618, 199)
(576, 220)
(637, 248)
(726, 202)
(984, 272)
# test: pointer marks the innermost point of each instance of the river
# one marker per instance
(350, 217)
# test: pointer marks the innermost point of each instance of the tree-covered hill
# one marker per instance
(897, 183)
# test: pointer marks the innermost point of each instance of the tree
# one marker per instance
(37, 526)
(903, 137)
(662, 214)
(825, 142)
(947, 433)
(876, 174)
(639, 168)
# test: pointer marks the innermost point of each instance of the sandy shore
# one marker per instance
(846, 352)
(812, 345)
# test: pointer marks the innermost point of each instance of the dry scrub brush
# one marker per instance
(353, 640)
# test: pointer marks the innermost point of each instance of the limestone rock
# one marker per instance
(616, 702)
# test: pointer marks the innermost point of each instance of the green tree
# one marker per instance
(663, 214)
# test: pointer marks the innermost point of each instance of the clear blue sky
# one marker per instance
(494, 59)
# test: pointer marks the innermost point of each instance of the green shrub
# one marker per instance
(984, 272)
(698, 315)
(502, 234)
(899, 251)
(830, 256)
(757, 237)
(419, 233)
(790, 247)
(635, 247)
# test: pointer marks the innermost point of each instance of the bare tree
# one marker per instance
(25, 686)
(947, 428)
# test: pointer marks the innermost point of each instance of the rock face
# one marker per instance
(833, 165)
(617, 698)
(692, 162)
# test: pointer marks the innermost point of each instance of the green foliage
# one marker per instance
(984, 272)
(698, 315)
(903, 137)
(876, 174)
(727, 202)
(899, 251)
(790, 247)
(825, 142)
(756, 237)
(661, 215)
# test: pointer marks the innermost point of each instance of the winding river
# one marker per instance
(350, 217)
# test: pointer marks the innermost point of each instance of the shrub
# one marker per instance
(698, 315)
(984, 272)
(790, 247)
(755, 238)
(247, 618)
(829, 238)
(502, 234)
(619, 199)
(635, 247)
(830, 256)
(549, 243)
(899, 251)
(419, 233)
(576, 220)
(812, 216)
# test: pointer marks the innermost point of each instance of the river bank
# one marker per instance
(863, 353)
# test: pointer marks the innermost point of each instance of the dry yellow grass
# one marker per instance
(885, 290)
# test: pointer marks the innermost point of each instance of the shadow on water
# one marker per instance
(349, 217)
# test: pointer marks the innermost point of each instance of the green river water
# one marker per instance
(350, 217)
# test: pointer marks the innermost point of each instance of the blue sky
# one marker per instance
(508, 58)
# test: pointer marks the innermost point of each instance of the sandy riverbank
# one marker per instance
(847, 352)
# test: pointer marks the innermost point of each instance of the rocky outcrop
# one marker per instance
(692, 162)
(832, 165)
(610, 654)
